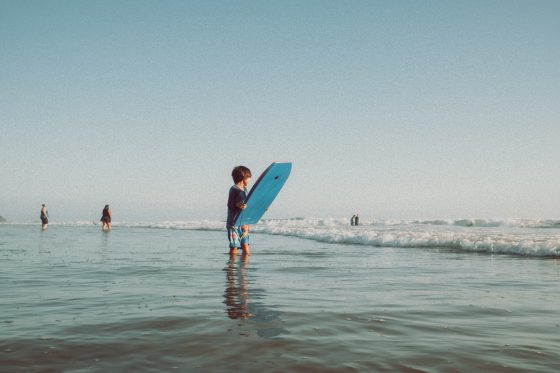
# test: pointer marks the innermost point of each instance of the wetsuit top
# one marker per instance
(106, 217)
(236, 195)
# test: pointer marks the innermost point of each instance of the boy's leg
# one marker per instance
(233, 237)
(245, 239)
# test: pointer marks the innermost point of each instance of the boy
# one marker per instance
(238, 236)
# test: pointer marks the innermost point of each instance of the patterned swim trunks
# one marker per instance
(238, 236)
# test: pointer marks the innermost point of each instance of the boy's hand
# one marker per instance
(243, 206)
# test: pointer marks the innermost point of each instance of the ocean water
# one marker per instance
(315, 295)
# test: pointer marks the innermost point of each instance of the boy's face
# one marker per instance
(246, 181)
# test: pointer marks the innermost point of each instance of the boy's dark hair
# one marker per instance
(239, 173)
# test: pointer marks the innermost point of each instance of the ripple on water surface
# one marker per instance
(138, 299)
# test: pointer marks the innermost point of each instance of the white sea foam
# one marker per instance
(488, 238)
(510, 236)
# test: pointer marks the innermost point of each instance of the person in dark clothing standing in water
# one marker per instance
(356, 219)
(106, 218)
(44, 217)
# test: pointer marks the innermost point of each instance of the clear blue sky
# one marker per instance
(393, 109)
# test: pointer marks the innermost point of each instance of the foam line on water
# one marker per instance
(508, 236)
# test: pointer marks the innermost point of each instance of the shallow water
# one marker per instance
(75, 299)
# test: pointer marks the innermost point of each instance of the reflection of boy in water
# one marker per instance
(238, 236)
(237, 297)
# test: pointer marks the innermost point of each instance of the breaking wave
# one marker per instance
(513, 236)
(525, 237)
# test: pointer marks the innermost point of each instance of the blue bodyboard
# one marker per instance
(263, 192)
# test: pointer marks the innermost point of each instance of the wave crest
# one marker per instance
(512, 236)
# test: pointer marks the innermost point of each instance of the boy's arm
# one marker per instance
(241, 201)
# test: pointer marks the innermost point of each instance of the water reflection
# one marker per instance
(44, 247)
(105, 240)
(237, 291)
(245, 301)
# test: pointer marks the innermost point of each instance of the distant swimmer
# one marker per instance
(353, 220)
(106, 218)
(44, 217)
(356, 220)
